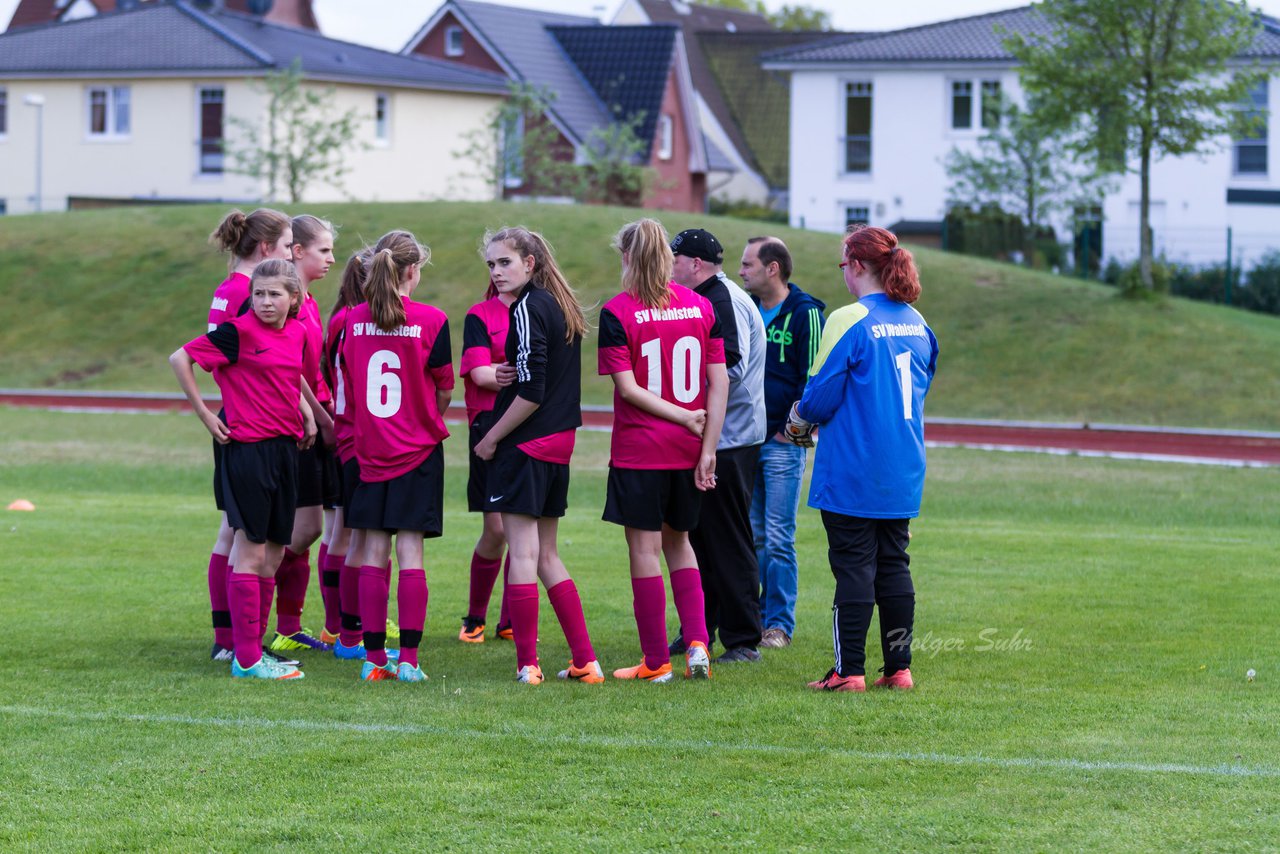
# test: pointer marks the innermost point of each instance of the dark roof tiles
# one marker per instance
(627, 68)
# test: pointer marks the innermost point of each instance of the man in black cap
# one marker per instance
(722, 541)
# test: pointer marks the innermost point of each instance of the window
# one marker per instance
(4, 112)
(990, 104)
(382, 117)
(961, 104)
(857, 215)
(453, 41)
(212, 103)
(1251, 149)
(666, 137)
(109, 111)
(512, 153)
(857, 127)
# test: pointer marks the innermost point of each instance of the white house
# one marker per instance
(873, 117)
(134, 107)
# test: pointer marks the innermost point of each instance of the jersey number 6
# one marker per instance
(382, 391)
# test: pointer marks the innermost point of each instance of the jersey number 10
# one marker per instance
(686, 367)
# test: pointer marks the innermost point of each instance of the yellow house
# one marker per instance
(135, 107)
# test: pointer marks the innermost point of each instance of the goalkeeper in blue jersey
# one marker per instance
(866, 391)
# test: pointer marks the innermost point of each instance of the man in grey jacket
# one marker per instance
(722, 541)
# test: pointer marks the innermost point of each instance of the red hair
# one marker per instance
(892, 265)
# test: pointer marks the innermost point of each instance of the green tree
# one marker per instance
(520, 147)
(796, 17)
(1020, 165)
(299, 141)
(1139, 79)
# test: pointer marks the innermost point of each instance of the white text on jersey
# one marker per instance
(668, 314)
(398, 332)
(897, 330)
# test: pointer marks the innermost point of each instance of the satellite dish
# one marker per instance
(260, 7)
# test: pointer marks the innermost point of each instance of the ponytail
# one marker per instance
(647, 273)
(393, 255)
(240, 235)
(354, 276)
(382, 291)
(893, 266)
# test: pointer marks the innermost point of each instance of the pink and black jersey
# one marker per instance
(309, 314)
(668, 349)
(259, 370)
(343, 421)
(548, 373)
(484, 342)
(230, 300)
(391, 378)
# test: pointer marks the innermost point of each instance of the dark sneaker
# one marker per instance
(279, 659)
(677, 646)
(738, 653)
(221, 653)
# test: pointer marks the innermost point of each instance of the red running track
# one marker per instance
(1241, 448)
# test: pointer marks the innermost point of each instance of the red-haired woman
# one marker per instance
(866, 390)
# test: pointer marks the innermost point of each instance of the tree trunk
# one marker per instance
(1144, 216)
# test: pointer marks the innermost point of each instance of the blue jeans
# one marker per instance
(774, 505)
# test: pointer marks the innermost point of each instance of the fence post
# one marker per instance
(1226, 279)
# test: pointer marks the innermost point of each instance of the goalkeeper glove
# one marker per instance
(797, 430)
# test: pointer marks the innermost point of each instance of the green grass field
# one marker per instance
(1084, 628)
(99, 299)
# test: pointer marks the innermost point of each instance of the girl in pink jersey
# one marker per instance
(259, 359)
(346, 546)
(312, 255)
(398, 371)
(661, 344)
(529, 445)
(484, 345)
(248, 240)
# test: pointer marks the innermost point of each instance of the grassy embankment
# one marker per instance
(98, 299)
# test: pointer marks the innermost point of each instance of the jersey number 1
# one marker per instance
(686, 367)
(903, 361)
(382, 391)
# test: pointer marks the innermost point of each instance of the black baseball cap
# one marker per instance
(698, 243)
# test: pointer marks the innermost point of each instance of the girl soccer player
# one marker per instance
(249, 240)
(530, 443)
(312, 254)
(345, 546)
(866, 389)
(484, 345)
(661, 344)
(398, 369)
(260, 359)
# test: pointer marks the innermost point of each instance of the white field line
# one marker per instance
(709, 746)
(1113, 455)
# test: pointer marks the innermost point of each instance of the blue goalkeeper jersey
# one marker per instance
(866, 390)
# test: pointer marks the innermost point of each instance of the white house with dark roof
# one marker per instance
(874, 115)
(134, 107)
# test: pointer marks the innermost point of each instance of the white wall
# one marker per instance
(911, 135)
(158, 158)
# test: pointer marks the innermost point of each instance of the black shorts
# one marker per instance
(218, 500)
(414, 501)
(649, 498)
(518, 483)
(478, 477)
(309, 490)
(330, 477)
(350, 480)
(260, 487)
